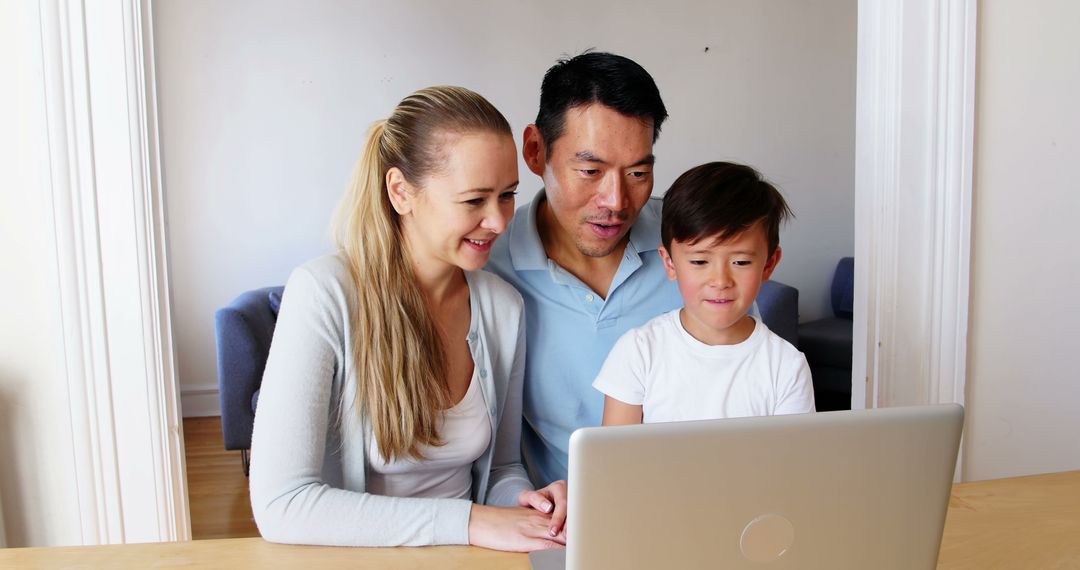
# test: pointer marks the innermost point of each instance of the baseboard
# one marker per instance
(200, 400)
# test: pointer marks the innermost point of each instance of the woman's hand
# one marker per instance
(516, 529)
(550, 500)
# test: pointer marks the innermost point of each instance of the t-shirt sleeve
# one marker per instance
(623, 374)
(797, 393)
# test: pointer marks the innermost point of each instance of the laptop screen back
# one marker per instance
(859, 489)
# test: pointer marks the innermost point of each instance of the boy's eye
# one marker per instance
(698, 262)
(742, 262)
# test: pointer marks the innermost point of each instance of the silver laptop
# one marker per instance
(837, 490)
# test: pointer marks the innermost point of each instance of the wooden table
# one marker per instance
(1024, 522)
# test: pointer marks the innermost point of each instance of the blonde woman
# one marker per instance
(390, 410)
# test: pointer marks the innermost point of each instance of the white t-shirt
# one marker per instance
(675, 377)
(446, 470)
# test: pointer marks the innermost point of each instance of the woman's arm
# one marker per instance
(508, 478)
(290, 498)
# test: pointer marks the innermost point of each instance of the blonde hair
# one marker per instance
(399, 356)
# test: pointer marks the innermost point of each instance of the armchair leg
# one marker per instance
(245, 457)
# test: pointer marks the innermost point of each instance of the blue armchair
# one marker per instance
(827, 343)
(778, 305)
(244, 330)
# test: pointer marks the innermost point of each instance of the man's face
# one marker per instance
(597, 176)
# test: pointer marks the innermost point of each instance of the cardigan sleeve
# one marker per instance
(290, 499)
(508, 477)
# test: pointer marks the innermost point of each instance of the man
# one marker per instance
(584, 253)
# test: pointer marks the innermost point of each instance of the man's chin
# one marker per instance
(599, 248)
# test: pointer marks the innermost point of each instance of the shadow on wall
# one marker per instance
(9, 477)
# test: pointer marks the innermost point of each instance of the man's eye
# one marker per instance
(639, 174)
(589, 171)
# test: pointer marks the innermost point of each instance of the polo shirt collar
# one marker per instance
(527, 251)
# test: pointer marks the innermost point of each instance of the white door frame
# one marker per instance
(915, 114)
(105, 184)
(913, 180)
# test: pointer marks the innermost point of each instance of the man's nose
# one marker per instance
(612, 194)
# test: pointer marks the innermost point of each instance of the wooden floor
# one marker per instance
(217, 487)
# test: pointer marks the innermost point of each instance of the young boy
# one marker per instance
(721, 231)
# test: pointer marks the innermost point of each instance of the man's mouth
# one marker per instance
(606, 230)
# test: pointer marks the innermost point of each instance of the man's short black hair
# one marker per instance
(721, 200)
(597, 77)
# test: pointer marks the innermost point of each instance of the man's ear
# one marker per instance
(399, 192)
(771, 263)
(533, 150)
(669, 265)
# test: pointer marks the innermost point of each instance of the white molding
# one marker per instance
(913, 179)
(201, 400)
(107, 209)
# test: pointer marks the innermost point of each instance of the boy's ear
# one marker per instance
(771, 263)
(397, 189)
(533, 150)
(669, 265)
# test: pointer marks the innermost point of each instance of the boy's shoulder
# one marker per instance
(657, 328)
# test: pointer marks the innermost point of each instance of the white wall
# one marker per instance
(1024, 391)
(37, 484)
(264, 107)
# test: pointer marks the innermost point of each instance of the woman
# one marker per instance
(390, 409)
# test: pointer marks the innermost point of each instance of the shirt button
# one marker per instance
(589, 298)
(483, 373)
(472, 337)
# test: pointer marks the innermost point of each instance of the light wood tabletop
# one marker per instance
(1023, 522)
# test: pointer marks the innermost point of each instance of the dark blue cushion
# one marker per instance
(843, 288)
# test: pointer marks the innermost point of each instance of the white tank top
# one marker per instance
(446, 471)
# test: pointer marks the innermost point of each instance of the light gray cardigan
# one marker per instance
(309, 444)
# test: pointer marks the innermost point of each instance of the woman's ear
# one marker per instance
(399, 192)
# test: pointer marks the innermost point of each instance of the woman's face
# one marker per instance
(457, 212)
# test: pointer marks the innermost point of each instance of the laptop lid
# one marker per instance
(837, 490)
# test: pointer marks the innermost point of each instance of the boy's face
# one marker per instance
(719, 281)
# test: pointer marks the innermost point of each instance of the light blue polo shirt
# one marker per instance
(570, 329)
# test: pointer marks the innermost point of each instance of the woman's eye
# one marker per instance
(475, 201)
(507, 196)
